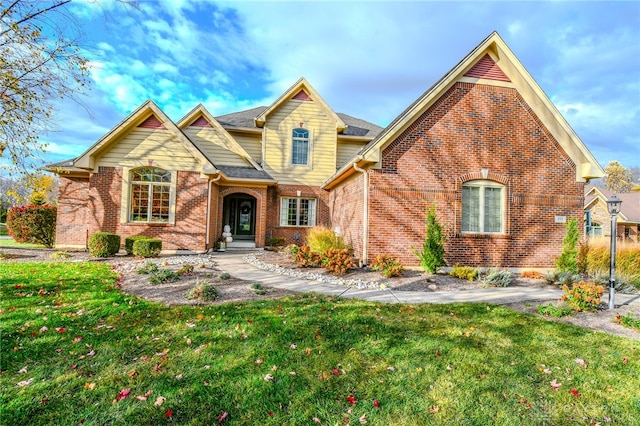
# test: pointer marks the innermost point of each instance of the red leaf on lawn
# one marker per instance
(124, 393)
(575, 393)
(270, 413)
(60, 329)
(249, 320)
(351, 400)
(625, 360)
(168, 413)
(222, 417)
(335, 372)
(555, 385)
(437, 352)
(376, 403)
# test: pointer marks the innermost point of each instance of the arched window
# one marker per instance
(150, 195)
(483, 207)
(300, 147)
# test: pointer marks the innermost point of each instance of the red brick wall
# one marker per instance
(294, 234)
(474, 127)
(92, 205)
(346, 203)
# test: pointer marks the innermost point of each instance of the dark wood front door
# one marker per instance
(242, 215)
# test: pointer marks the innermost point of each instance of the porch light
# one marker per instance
(613, 205)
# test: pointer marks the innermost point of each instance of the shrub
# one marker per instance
(147, 247)
(567, 262)
(321, 239)
(497, 278)
(291, 250)
(204, 292)
(148, 268)
(338, 261)
(277, 241)
(224, 276)
(257, 289)
(33, 224)
(163, 276)
(464, 272)
(104, 244)
(60, 255)
(306, 258)
(128, 242)
(562, 278)
(532, 274)
(389, 266)
(583, 296)
(554, 311)
(627, 263)
(432, 254)
(185, 270)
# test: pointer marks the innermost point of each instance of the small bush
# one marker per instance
(33, 224)
(432, 254)
(147, 247)
(204, 292)
(464, 272)
(277, 241)
(104, 244)
(306, 258)
(568, 260)
(583, 296)
(185, 270)
(321, 239)
(60, 255)
(224, 276)
(148, 268)
(128, 242)
(627, 262)
(497, 278)
(389, 266)
(292, 250)
(338, 261)
(163, 276)
(532, 274)
(554, 311)
(257, 289)
(562, 278)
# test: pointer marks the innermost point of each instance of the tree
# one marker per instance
(568, 260)
(618, 178)
(432, 254)
(40, 62)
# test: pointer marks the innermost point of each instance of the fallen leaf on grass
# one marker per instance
(23, 369)
(89, 386)
(179, 377)
(77, 340)
(268, 377)
(124, 393)
(376, 403)
(335, 372)
(307, 351)
(222, 417)
(547, 371)
(581, 362)
(316, 420)
(168, 413)
(363, 419)
(575, 393)
(44, 328)
(25, 382)
(434, 409)
(159, 401)
(555, 385)
(437, 352)
(60, 329)
(351, 400)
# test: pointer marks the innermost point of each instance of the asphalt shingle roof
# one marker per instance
(244, 173)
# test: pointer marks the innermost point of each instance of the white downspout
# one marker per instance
(208, 233)
(365, 213)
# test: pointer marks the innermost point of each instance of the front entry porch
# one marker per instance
(239, 212)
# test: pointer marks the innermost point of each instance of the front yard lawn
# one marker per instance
(75, 349)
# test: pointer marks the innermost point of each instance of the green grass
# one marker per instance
(456, 364)
(4, 242)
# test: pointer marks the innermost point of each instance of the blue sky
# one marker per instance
(367, 59)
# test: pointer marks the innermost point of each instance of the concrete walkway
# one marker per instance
(234, 264)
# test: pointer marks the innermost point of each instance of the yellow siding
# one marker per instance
(215, 146)
(278, 138)
(141, 145)
(251, 143)
(346, 150)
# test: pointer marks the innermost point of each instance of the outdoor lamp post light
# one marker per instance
(613, 205)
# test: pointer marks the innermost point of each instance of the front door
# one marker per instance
(242, 217)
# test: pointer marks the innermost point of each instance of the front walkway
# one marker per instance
(234, 264)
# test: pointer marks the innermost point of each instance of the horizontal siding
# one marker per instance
(215, 146)
(142, 145)
(251, 144)
(279, 144)
(346, 150)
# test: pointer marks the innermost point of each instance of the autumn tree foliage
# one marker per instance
(40, 63)
(618, 178)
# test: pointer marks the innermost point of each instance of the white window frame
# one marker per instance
(284, 211)
(126, 202)
(295, 139)
(482, 185)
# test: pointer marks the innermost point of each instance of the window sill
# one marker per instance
(483, 236)
(150, 223)
(295, 226)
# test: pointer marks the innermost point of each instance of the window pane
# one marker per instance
(150, 174)
(492, 209)
(160, 203)
(304, 213)
(312, 212)
(292, 212)
(470, 209)
(139, 202)
(300, 147)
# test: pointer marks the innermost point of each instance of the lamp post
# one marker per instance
(613, 205)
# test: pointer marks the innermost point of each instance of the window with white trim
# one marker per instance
(300, 147)
(297, 211)
(150, 199)
(483, 207)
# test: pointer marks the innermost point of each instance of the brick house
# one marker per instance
(484, 145)
(597, 220)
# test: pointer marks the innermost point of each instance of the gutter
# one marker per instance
(208, 227)
(365, 213)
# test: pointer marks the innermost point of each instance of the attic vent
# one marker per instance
(487, 68)
(302, 96)
(201, 122)
(151, 123)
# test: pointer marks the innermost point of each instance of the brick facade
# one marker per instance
(91, 205)
(470, 128)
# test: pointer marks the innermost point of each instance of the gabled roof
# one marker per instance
(230, 142)
(629, 209)
(294, 92)
(140, 115)
(494, 49)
